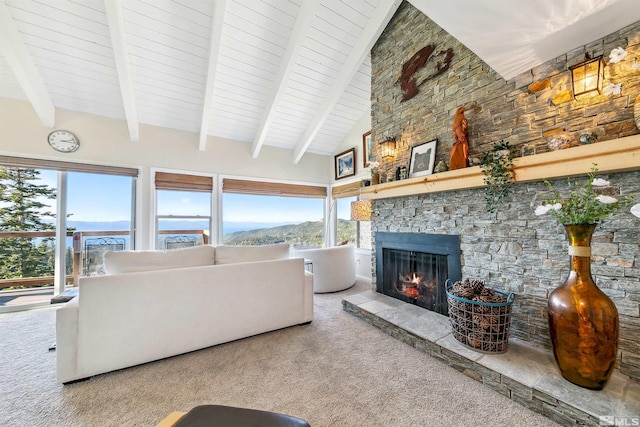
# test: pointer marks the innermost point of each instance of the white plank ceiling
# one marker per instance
(293, 74)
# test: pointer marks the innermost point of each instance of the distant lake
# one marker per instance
(228, 227)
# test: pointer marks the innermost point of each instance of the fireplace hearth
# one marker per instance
(413, 267)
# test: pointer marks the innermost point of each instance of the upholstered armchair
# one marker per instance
(334, 268)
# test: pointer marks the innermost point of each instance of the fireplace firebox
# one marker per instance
(413, 267)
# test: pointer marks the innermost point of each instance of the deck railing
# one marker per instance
(77, 250)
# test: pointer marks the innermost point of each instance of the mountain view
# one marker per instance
(305, 234)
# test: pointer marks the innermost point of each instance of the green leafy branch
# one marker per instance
(584, 205)
(497, 168)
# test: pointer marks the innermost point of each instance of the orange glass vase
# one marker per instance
(583, 321)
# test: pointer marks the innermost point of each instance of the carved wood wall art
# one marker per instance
(422, 59)
(459, 157)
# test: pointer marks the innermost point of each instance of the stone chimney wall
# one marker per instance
(530, 109)
(512, 249)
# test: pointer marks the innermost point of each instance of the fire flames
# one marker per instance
(409, 285)
(414, 279)
(412, 282)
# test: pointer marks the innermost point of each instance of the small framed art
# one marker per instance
(366, 149)
(345, 164)
(423, 157)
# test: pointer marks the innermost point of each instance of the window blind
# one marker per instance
(183, 182)
(24, 162)
(346, 190)
(240, 186)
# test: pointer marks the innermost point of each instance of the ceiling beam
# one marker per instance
(18, 57)
(296, 41)
(217, 21)
(115, 19)
(376, 25)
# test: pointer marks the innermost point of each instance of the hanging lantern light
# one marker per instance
(588, 76)
(388, 148)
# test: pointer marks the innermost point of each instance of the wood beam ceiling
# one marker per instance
(296, 41)
(115, 19)
(217, 20)
(19, 59)
(370, 35)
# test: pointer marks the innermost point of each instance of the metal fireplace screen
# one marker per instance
(416, 277)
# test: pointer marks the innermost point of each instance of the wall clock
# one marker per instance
(63, 141)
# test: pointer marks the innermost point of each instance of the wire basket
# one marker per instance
(481, 326)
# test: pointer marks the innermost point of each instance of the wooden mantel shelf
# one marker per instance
(618, 155)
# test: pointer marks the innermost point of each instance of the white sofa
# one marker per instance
(156, 304)
(334, 268)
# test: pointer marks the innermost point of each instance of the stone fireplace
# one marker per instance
(515, 251)
(511, 249)
(414, 267)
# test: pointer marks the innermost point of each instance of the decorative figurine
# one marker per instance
(460, 150)
(588, 138)
(559, 142)
(528, 150)
(440, 167)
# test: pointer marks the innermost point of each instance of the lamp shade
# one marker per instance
(361, 210)
(588, 76)
(388, 148)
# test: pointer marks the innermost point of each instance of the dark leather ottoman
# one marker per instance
(227, 416)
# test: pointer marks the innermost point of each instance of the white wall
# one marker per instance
(363, 263)
(354, 139)
(106, 141)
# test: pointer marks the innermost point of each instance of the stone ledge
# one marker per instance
(525, 374)
(619, 155)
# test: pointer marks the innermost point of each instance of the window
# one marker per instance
(357, 233)
(183, 210)
(258, 213)
(183, 218)
(27, 221)
(260, 220)
(101, 207)
(62, 197)
(347, 230)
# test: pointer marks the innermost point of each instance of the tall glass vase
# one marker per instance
(583, 321)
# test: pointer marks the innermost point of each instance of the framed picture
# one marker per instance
(423, 157)
(366, 149)
(345, 163)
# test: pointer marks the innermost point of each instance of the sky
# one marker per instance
(93, 197)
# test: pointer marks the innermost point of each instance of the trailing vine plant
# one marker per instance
(496, 166)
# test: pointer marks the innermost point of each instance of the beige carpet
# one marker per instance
(337, 371)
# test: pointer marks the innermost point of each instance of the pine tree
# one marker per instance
(68, 260)
(22, 209)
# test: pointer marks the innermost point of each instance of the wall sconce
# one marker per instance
(361, 210)
(588, 76)
(388, 148)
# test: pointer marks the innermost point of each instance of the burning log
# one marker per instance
(412, 292)
(415, 286)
